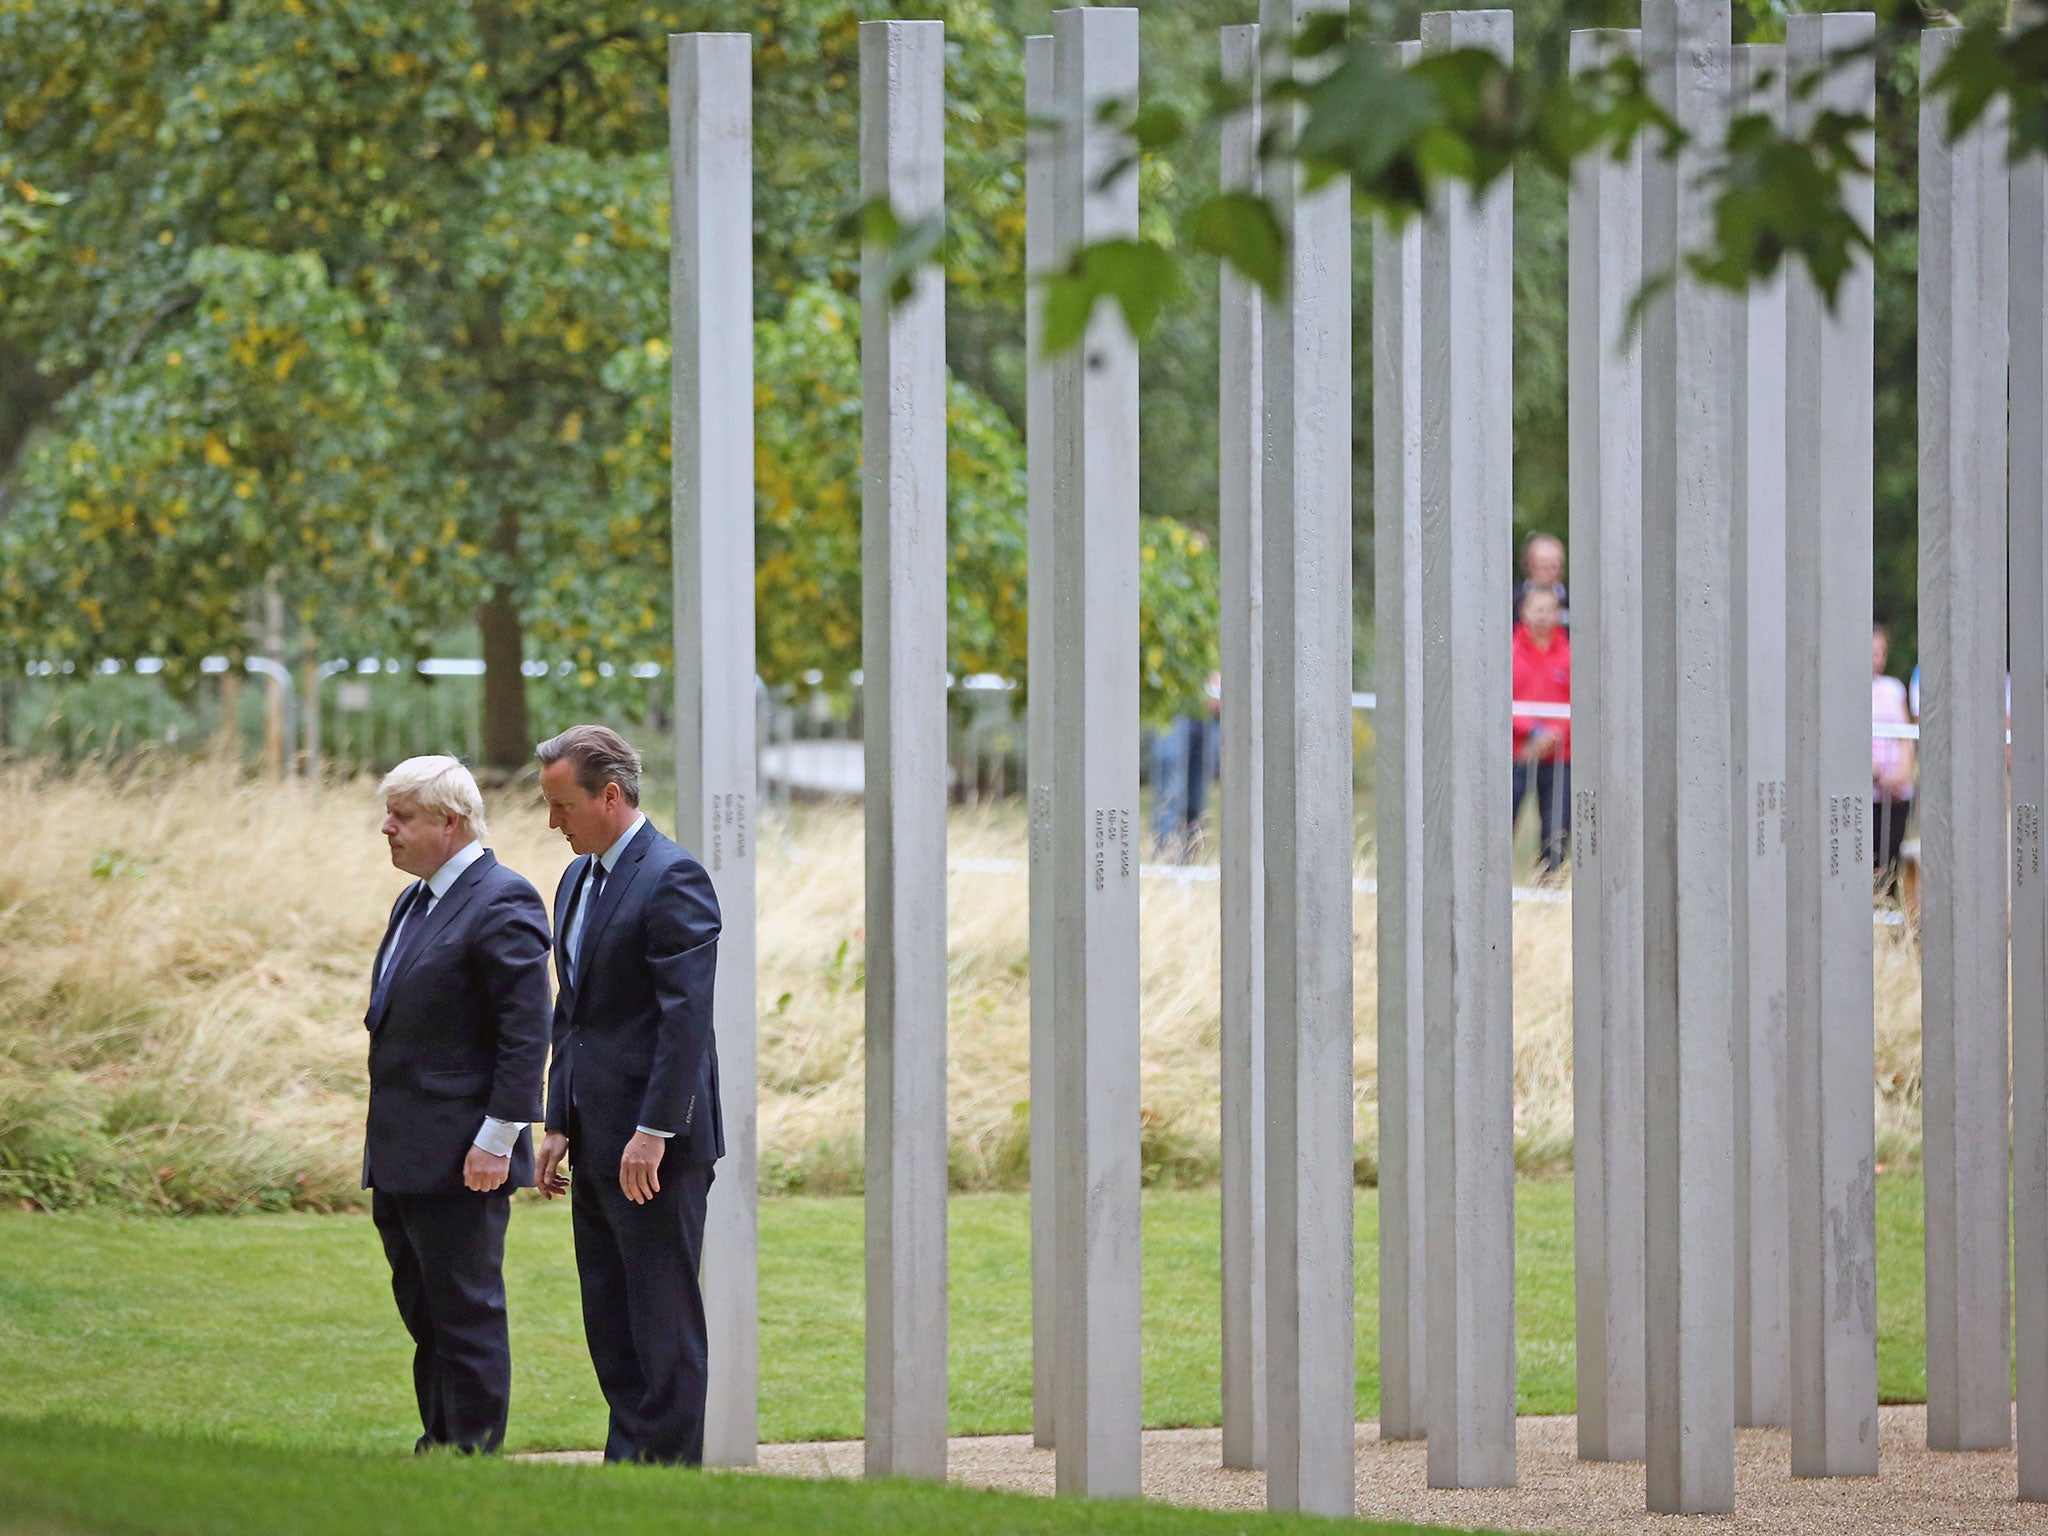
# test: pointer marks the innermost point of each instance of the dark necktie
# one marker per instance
(593, 888)
(410, 922)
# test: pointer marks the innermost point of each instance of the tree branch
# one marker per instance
(526, 95)
(149, 327)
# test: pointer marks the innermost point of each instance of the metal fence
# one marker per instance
(361, 716)
(369, 713)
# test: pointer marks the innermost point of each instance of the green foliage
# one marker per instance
(119, 863)
(1141, 276)
(807, 435)
(1781, 195)
(1992, 63)
(254, 439)
(446, 225)
(1242, 230)
(1177, 577)
(25, 218)
(326, 292)
(1342, 105)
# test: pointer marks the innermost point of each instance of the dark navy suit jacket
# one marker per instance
(633, 1043)
(459, 1031)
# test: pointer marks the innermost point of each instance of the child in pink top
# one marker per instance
(1543, 747)
(1891, 764)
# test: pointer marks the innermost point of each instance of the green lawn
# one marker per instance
(57, 1480)
(280, 1328)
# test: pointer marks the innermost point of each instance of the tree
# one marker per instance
(367, 299)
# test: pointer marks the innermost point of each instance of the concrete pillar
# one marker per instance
(1831, 1053)
(903, 659)
(2028, 245)
(1606, 445)
(1095, 803)
(711, 325)
(1311, 1386)
(1469, 1037)
(1397, 788)
(1757, 892)
(1243, 873)
(1962, 769)
(1688, 1098)
(1041, 151)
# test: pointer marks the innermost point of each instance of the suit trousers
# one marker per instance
(643, 1310)
(1553, 783)
(447, 1256)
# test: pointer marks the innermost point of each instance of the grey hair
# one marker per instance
(600, 755)
(442, 787)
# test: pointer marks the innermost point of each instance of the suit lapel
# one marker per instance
(419, 933)
(404, 903)
(400, 911)
(617, 886)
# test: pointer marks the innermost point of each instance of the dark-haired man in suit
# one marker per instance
(633, 1093)
(458, 1024)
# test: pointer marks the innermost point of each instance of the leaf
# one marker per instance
(1158, 126)
(1242, 229)
(908, 249)
(1782, 196)
(872, 222)
(1139, 276)
(1319, 34)
(1976, 73)
(1364, 120)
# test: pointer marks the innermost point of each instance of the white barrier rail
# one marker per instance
(469, 666)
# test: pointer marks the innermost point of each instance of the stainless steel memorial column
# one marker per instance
(1606, 447)
(1757, 892)
(1095, 802)
(903, 662)
(1397, 786)
(711, 327)
(1306, 575)
(1963, 915)
(1831, 1122)
(1688, 845)
(1041, 151)
(1243, 813)
(2028, 244)
(1469, 1042)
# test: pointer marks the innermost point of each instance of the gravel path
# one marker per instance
(1915, 1490)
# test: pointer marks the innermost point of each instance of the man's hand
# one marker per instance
(547, 1174)
(483, 1172)
(636, 1169)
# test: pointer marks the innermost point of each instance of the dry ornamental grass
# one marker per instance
(186, 957)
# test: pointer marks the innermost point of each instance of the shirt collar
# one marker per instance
(439, 881)
(610, 857)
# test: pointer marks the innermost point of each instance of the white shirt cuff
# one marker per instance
(499, 1137)
(647, 1130)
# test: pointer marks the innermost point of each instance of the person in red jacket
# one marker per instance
(1543, 747)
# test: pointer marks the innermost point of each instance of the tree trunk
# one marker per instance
(309, 710)
(508, 734)
(229, 742)
(508, 738)
(274, 696)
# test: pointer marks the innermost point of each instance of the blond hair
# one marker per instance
(442, 787)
